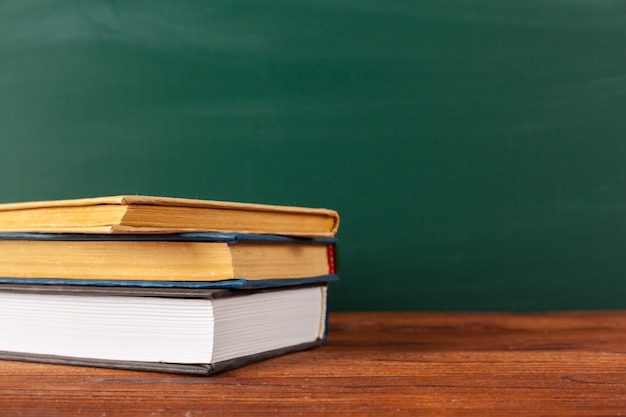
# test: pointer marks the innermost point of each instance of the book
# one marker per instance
(231, 260)
(198, 332)
(145, 214)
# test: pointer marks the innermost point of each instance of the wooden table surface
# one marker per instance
(431, 364)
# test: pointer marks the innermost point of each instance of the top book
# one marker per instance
(144, 214)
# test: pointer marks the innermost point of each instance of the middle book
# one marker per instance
(203, 260)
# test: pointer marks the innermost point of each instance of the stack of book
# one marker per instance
(162, 284)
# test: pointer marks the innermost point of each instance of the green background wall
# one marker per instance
(475, 149)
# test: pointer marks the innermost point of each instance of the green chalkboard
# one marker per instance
(475, 149)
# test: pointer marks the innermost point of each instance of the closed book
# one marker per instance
(201, 259)
(145, 214)
(199, 332)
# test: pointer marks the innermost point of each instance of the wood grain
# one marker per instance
(435, 364)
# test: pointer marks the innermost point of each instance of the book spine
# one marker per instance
(332, 270)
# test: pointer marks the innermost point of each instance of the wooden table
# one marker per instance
(374, 364)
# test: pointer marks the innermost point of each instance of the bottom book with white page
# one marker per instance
(200, 332)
